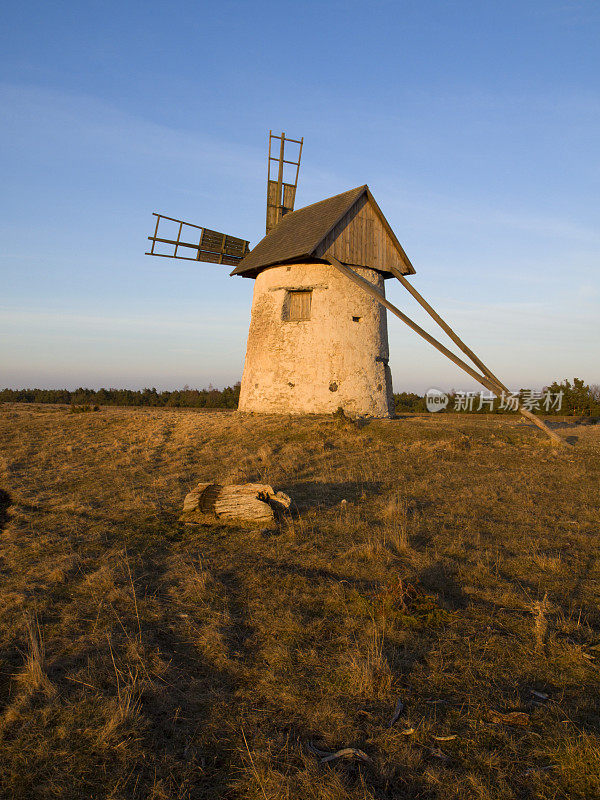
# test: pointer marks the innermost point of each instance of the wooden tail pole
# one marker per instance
(467, 350)
(446, 328)
(489, 383)
(370, 289)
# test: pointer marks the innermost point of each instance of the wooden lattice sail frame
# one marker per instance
(281, 195)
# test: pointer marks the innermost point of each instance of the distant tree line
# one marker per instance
(180, 398)
(409, 402)
(578, 398)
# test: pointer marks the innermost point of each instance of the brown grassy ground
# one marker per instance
(140, 659)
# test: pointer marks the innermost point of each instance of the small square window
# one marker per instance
(296, 306)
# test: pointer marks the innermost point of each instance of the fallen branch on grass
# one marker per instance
(510, 718)
(346, 752)
(397, 712)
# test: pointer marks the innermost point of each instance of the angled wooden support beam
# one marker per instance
(492, 384)
(374, 292)
(467, 350)
(446, 328)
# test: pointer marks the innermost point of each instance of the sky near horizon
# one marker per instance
(475, 124)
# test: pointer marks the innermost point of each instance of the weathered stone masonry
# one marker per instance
(336, 358)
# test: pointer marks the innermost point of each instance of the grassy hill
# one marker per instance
(447, 561)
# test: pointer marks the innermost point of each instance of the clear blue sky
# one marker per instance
(476, 125)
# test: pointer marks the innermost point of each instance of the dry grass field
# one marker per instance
(448, 561)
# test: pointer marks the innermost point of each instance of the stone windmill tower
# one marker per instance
(318, 331)
(318, 342)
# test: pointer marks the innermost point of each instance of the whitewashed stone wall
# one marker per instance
(317, 365)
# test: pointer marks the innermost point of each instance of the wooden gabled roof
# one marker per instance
(350, 226)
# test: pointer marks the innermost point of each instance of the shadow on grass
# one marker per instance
(576, 423)
(440, 578)
(5, 504)
(238, 633)
(314, 494)
(314, 574)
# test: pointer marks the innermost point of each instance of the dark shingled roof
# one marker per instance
(300, 232)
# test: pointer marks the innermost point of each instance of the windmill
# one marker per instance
(318, 330)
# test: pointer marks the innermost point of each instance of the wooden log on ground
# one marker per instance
(248, 502)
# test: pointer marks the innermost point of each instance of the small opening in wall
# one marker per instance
(297, 305)
(355, 319)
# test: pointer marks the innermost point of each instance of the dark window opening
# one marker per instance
(355, 319)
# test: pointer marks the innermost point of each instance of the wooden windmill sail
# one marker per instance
(220, 248)
(318, 332)
(281, 195)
